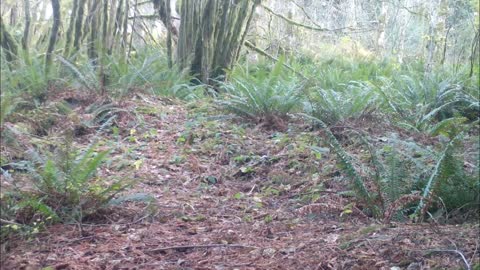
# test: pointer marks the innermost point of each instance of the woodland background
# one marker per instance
(272, 134)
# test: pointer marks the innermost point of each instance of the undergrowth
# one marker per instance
(266, 97)
(62, 187)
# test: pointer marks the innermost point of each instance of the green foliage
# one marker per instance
(265, 97)
(449, 182)
(357, 181)
(396, 174)
(28, 77)
(332, 106)
(64, 189)
(422, 101)
(7, 106)
(148, 70)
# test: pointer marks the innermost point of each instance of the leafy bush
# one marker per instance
(267, 97)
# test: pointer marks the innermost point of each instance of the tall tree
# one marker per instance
(26, 30)
(71, 26)
(78, 25)
(53, 35)
(210, 35)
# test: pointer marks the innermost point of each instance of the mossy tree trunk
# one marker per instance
(210, 35)
(71, 26)
(93, 37)
(78, 25)
(53, 35)
(26, 29)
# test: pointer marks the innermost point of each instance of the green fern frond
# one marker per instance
(357, 181)
(442, 168)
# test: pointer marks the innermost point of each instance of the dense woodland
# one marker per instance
(240, 134)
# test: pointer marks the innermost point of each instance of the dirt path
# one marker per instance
(234, 197)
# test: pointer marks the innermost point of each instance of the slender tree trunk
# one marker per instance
(169, 33)
(26, 30)
(71, 26)
(474, 52)
(125, 26)
(53, 35)
(93, 37)
(382, 20)
(78, 25)
(13, 15)
(117, 26)
(133, 29)
(432, 33)
(103, 75)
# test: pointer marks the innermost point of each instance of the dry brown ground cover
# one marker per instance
(230, 196)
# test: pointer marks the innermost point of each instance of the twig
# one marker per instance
(199, 246)
(249, 45)
(3, 221)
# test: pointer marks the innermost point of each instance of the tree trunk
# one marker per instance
(211, 33)
(26, 30)
(53, 35)
(71, 26)
(78, 25)
(93, 39)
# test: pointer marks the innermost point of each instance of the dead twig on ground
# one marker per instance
(199, 246)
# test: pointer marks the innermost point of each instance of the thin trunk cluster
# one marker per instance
(211, 35)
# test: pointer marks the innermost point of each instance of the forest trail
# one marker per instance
(231, 196)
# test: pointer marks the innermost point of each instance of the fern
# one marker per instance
(357, 181)
(262, 97)
(7, 106)
(443, 168)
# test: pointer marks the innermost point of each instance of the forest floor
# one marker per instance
(229, 195)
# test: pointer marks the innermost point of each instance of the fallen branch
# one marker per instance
(249, 45)
(199, 246)
(314, 28)
(3, 221)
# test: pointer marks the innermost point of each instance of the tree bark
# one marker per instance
(211, 33)
(53, 35)
(26, 30)
(78, 25)
(71, 26)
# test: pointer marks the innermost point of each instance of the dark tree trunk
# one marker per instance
(211, 35)
(78, 25)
